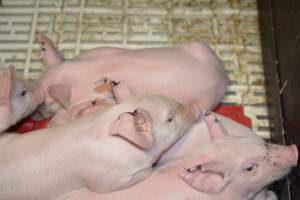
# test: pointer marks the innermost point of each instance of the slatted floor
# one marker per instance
(229, 26)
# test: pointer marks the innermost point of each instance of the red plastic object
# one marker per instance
(235, 113)
(31, 125)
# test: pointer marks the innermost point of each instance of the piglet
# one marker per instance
(188, 72)
(230, 167)
(18, 98)
(102, 152)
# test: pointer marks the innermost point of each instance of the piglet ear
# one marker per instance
(209, 177)
(61, 93)
(215, 129)
(7, 78)
(121, 91)
(196, 112)
(134, 127)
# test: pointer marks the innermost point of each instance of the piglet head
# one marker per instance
(264, 164)
(153, 122)
(240, 165)
(24, 98)
(18, 98)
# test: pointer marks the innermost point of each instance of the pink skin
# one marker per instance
(101, 152)
(110, 95)
(74, 112)
(250, 165)
(199, 136)
(18, 98)
(188, 73)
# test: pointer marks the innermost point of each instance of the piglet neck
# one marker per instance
(39, 93)
(195, 138)
(238, 192)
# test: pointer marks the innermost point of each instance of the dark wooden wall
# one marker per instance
(280, 36)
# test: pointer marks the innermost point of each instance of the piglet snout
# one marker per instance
(282, 156)
(294, 154)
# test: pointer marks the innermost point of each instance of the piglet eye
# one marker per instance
(23, 93)
(249, 169)
(170, 119)
(170, 116)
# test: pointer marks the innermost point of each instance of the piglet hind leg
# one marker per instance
(50, 54)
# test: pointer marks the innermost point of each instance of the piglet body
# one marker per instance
(189, 72)
(230, 167)
(101, 152)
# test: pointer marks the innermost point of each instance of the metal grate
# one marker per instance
(229, 26)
